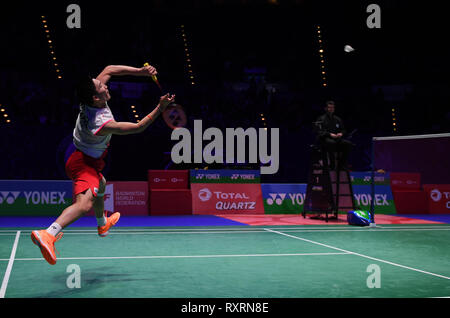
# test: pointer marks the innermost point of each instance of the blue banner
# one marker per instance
(383, 199)
(283, 198)
(20, 197)
(225, 176)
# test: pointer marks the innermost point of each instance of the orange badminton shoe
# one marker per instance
(110, 222)
(46, 243)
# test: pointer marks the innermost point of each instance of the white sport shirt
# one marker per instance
(89, 122)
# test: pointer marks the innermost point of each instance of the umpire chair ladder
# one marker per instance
(328, 190)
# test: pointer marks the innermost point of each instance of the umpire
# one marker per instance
(330, 129)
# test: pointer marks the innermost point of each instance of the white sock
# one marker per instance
(101, 221)
(54, 229)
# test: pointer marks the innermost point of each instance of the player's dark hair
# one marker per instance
(329, 102)
(86, 90)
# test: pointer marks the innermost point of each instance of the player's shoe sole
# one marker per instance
(110, 222)
(46, 242)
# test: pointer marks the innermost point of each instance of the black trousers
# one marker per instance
(340, 147)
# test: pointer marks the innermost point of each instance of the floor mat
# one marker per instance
(443, 218)
(290, 219)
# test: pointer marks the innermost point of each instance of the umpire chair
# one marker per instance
(329, 190)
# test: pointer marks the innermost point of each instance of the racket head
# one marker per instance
(175, 116)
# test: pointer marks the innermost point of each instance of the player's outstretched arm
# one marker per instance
(121, 70)
(128, 128)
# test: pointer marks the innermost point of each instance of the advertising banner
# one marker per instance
(127, 197)
(225, 176)
(168, 179)
(383, 199)
(23, 197)
(362, 191)
(283, 198)
(438, 198)
(223, 198)
(365, 178)
(405, 181)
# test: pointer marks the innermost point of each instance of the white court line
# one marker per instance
(180, 256)
(246, 232)
(10, 265)
(239, 232)
(261, 230)
(357, 254)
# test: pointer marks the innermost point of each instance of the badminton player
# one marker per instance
(91, 137)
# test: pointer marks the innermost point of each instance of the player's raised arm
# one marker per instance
(121, 70)
(128, 128)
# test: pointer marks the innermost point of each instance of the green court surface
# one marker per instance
(393, 261)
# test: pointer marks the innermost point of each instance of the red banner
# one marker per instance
(404, 180)
(226, 198)
(438, 198)
(126, 197)
(168, 179)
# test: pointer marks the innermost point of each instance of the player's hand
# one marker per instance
(339, 135)
(165, 100)
(149, 70)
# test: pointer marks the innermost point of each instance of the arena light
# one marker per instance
(5, 116)
(394, 120)
(134, 113)
(321, 56)
(189, 71)
(50, 46)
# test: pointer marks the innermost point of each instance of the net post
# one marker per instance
(372, 186)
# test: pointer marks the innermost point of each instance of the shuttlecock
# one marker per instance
(348, 49)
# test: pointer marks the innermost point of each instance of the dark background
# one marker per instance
(240, 50)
